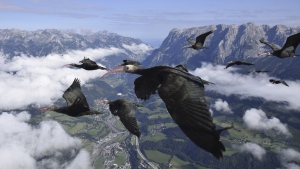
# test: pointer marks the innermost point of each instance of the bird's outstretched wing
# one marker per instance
(185, 101)
(284, 83)
(246, 63)
(192, 41)
(201, 38)
(144, 86)
(73, 95)
(292, 42)
(229, 64)
(273, 46)
(127, 117)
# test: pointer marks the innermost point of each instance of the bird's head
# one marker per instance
(126, 68)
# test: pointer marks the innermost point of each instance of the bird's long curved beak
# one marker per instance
(43, 109)
(185, 47)
(114, 71)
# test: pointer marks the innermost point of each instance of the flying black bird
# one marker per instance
(126, 112)
(274, 81)
(288, 49)
(184, 97)
(258, 71)
(130, 62)
(77, 103)
(231, 63)
(198, 44)
(87, 64)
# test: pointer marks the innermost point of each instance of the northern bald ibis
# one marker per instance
(231, 63)
(77, 103)
(126, 111)
(183, 95)
(87, 64)
(274, 81)
(198, 44)
(288, 49)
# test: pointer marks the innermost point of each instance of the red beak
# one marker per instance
(114, 71)
(66, 65)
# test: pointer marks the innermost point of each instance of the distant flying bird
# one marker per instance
(87, 64)
(77, 103)
(231, 63)
(183, 95)
(126, 112)
(288, 49)
(258, 71)
(274, 81)
(198, 44)
(130, 62)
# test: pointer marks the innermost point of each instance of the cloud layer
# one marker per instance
(42, 80)
(228, 82)
(257, 119)
(44, 146)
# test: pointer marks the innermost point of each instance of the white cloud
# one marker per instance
(288, 155)
(138, 49)
(256, 150)
(42, 80)
(44, 146)
(222, 106)
(228, 82)
(257, 119)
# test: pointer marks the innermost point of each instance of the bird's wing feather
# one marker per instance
(185, 101)
(144, 86)
(273, 46)
(74, 93)
(128, 118)
(201, 38)
(292, 42)
(192, 41)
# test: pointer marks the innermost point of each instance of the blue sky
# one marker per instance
(149, 21)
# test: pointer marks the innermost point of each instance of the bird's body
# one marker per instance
(231, 63)
(184, 97)
(77, 103)
(288, 49)
(126, 111)
(258, 71)
(198, 44)
(274, 81)
(87, 64)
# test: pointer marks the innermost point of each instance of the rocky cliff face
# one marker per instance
(228, 43)
(14, 42)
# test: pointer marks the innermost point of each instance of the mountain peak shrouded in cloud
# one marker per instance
(228, 43)
(14, 42)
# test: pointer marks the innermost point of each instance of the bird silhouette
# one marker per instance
(183, 95)
(288, 49)
(275, 81)
(258, 71)
(130, 62)
(77, 103)
(126, 111)
(231, 63)
(198, 44)
(87, 64)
